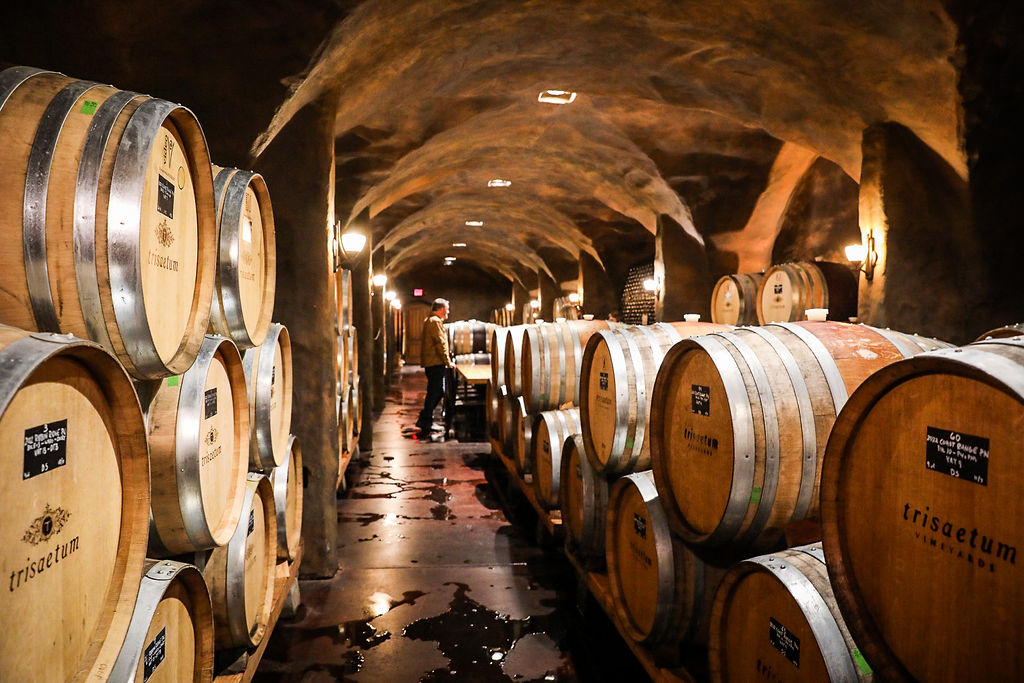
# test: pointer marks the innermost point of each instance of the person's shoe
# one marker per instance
(437, 428)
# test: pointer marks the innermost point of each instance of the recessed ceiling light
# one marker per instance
(475, 224)
(498, 182)
(458, 244)
(449, 258)
(557, 97)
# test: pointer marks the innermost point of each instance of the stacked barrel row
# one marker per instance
(738, 432)
(784, 293)
(349, 395)
(120, 231)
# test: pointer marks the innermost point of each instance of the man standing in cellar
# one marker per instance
(436, 360)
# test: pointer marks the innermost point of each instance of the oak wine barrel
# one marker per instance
(107, 220)
(502, 317)
(343, 295)
(552, 429)
(492, 410)
(198, 428)
(775, 617)
(789, 289)
(617, 376)
(660, 589)
(287, 482)
(473, 359)
(551, 357)
(268, 379)
(513, 377)
(243, 300)
(583, 499)
(76, 486)
(734, 299)
(1014, 330)
(921, 502)
(170, 639)
(513, 410)
(740, 420)
(523, 424)
(469, 336)
(241, 574)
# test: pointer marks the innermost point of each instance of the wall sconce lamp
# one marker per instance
(380, 279)
(650, 285)
(535, 303)
(348, 246)
(864, 254)
(396, 304)
(390, 295)
(510, 307)
(574, 297)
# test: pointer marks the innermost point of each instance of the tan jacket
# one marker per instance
(435, 343)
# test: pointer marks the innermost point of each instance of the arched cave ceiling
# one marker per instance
(682, 108)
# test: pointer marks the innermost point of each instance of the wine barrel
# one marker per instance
(268, 379)
(513, 377)
(341, 365)
(617, 375)
(551, 359)
(740, 420)
(921, 507)
(243, 300)
(74, 527)
(789, 289)
(734, 299)
(171, 634)
(469, 336)
(513, 410)
(661, 590)
(774, 617)
(198, 427)
(125, 180)
(343, 294)
(583, 498)
(287, 482)
(523, 425)
(502, 317)
(355, 404)
(348, 354)
(1014, 330)
(241, 574)
(473, 359)
(492, 410)
(552, 429)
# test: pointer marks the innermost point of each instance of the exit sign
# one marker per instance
(417, 292)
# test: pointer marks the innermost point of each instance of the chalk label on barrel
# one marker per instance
(700, 400)
(210, 403)
(252, 522)
(604, 381)
(783, 640)
(961, 456)
(639, 526)
(46, 448)
(165, 196)
(154, 654)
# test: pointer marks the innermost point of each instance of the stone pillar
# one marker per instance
(520, 297)
(363, 320)
(298, 167)
(990, 61)
(379, 340)
(931, 276)
(599, 295)
(549, 291)
(682, 273)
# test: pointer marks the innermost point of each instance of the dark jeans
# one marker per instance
(435, 392)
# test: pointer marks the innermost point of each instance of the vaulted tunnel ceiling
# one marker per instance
(682, 108)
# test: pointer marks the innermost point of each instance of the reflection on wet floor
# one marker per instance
(434, 582)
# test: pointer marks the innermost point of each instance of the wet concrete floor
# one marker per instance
(436, 583)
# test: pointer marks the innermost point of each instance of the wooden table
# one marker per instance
(474, 374)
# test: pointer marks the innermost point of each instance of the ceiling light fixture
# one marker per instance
(475, 224)
(459, 244)
(574, 297)
(498, 182)
(510, 307)
(557, 97)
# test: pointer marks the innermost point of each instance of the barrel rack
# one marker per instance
(285, 576)
(595, 582)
